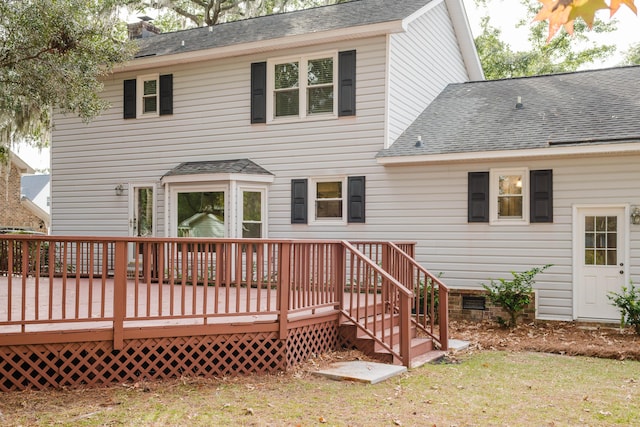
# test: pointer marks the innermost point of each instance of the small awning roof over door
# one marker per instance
(218, 170)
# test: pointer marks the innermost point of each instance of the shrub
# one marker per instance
(628, 301)
(513, 295)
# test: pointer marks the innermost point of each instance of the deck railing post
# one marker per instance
(119, 294)
(443, 317)
(284, 287)
(405, 329)
(339, 273)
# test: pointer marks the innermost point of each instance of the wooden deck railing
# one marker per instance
(430, 305)
(55, 283)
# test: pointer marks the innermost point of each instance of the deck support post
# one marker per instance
(443, 317)
(284, 285)
(339, 273)
(119, 294)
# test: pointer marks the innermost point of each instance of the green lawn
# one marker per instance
(484, 389)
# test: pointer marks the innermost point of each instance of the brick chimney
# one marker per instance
(142, 29)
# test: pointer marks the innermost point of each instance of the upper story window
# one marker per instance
(319, 85)
(148, 89)
(303, 86)
(148, 96)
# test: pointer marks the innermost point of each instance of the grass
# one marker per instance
(485, 388)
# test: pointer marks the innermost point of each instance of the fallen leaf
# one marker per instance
(322, 420)
(248, 411)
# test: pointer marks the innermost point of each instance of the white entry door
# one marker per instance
(600, 259)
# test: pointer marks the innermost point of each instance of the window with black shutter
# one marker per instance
(541, 195)
(478, 197)
(298, 201)
(356, 199)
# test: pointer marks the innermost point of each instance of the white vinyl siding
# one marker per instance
(422, 62)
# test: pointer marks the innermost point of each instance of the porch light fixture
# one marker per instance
(119, 190)
(419, 143)
(635, 215)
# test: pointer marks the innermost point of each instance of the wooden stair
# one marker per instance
(422, 348)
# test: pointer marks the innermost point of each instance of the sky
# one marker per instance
(505, 14)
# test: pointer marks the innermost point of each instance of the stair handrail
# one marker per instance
(403, 308)
(442, 339)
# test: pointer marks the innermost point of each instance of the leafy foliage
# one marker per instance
(564, 53)
(513, 295)
(180, 14)
(563, 13)
(628, 301)
(52, 55)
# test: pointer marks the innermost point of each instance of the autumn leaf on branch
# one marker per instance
(562, 13)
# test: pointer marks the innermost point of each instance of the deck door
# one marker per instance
(600, 259)
(141, 213)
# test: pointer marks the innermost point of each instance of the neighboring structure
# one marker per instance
(526, 172)
(18, 210)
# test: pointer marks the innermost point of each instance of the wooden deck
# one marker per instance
(83, 310)
(89, 304)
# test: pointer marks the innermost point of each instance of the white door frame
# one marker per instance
(578, 254)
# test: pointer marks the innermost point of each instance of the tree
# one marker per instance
(563, 13)
(52, 55)
(179, 14)
(564, 53)
(632, 56)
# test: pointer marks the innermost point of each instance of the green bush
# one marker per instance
(513, 295)
(628, 301)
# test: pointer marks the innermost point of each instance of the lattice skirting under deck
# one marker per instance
(312, 340)
(96, 363)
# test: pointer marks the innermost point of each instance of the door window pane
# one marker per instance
(601, 240)
(144, 212)
(201, 214)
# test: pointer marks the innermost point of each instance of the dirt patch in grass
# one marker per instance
(570, 338)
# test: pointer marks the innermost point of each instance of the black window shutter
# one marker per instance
(478, 197)
(347, 83)
(298, 201)
(259, 92)
(356, 197)
(166, 94)
(541, 195)
(129, 99)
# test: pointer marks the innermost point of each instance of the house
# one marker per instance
(226, 113)
(526, 172)
(24, 197)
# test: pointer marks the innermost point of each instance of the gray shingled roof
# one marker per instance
(588, 107)
(344, 15)
(32, 185)
(244, 166)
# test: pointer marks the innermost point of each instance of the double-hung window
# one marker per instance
(509, 189)
(329, 200)
(148, 88)
(303, 86)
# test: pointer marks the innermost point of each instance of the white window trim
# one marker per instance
(313, 198)
(494, 175)
(303, 64)
(263, 206)
(140, 95)
(198, 187)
